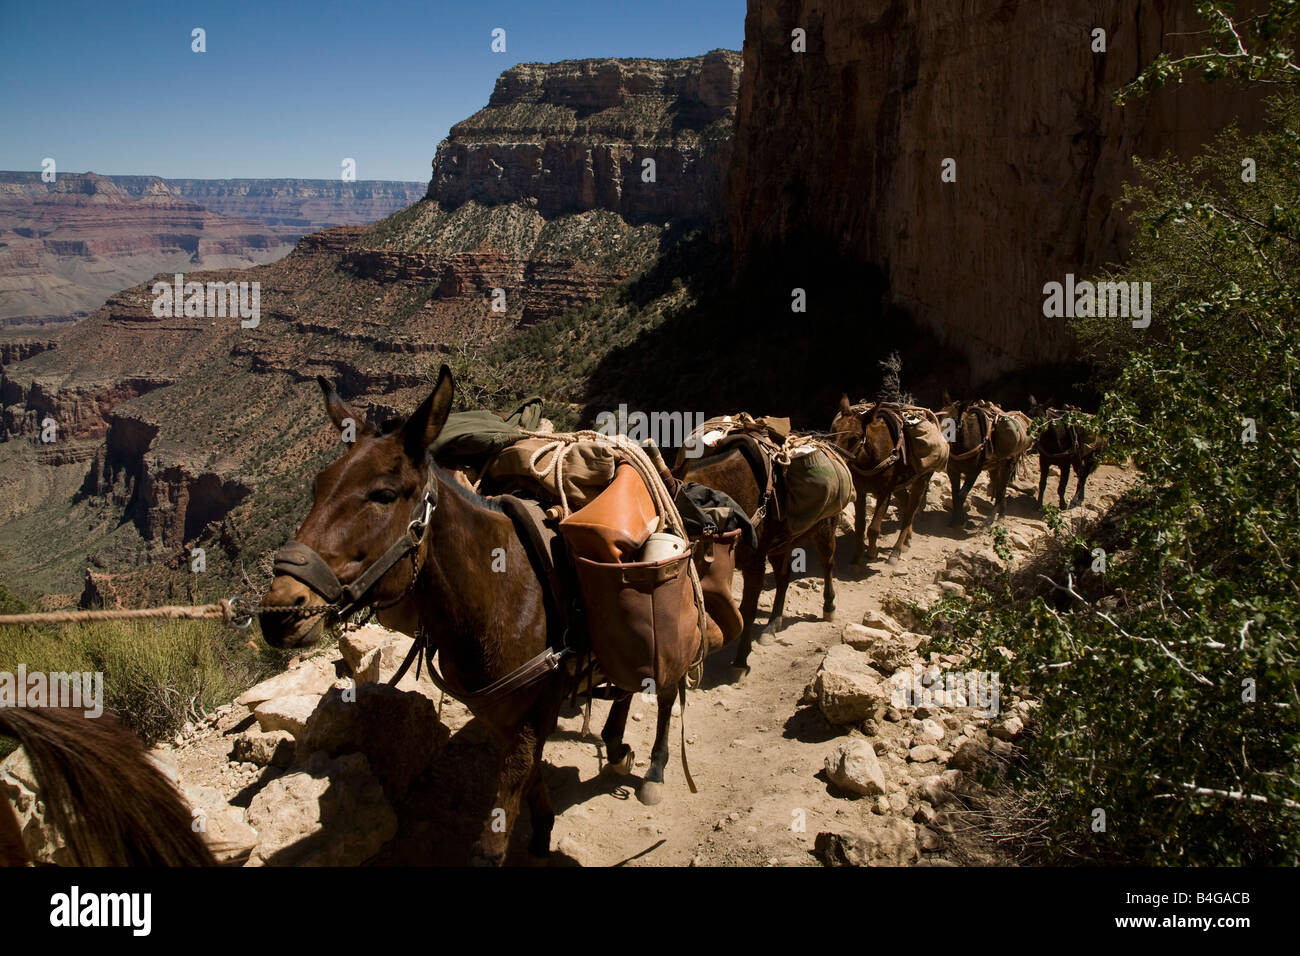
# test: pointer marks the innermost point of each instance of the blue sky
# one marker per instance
(291, 88)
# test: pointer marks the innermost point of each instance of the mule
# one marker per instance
(970, 454)
(731, 472)
(872, 441)
(1065, 446)
(484, 623)
(101, 793)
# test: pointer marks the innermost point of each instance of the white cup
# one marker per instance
(661, 545)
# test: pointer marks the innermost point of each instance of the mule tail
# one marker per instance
(101, 792)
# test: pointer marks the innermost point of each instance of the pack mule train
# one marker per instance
(793, 488)
(890, 448)
(437, 560)
(102, 794)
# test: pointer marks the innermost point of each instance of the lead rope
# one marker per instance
(686, 767)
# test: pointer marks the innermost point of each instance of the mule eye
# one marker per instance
(383, 496)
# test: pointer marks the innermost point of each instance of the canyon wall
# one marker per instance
(67, 246)
(296, 207)
(840, 147)
(574, 136)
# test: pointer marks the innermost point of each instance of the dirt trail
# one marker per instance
(756, 754)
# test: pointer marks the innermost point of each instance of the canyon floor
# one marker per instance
(757, 754)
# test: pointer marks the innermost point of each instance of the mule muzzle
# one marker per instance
(285, 617)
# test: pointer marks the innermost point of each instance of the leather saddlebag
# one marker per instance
(616, 523)
(642, 619)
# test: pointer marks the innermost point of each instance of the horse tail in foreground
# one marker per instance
(102, 794)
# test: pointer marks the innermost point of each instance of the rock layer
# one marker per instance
(573, 136)
(67, 245)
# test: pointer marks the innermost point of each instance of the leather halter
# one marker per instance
(303, 564)
(989, 422)
(883, 464)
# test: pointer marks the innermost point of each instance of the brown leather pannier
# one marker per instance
(642, 619)
(715, 562)
(616, 523)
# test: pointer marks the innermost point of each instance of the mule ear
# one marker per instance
(338, 410)
(846, 408)
(947, 399)
(426, 422)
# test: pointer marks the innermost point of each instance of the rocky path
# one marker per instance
(808, 744)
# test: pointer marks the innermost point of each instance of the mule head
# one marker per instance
(1039, 409)
(864, 435)
(846, 429)
(364, 503)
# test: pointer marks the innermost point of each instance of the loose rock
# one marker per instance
(853, 766)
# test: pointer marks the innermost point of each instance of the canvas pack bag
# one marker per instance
(817, 485)
(926, 447)
(1010, 437)
(588, 470)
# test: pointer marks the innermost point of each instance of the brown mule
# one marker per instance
(874, 446)
(972, 453)
(485, 624)
(732, 473)
(102, 794)
(1066, 446)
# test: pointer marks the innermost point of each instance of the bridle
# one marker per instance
(988, 423)
(303, 564)
(885, 463)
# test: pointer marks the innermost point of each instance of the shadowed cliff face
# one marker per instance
(843, 145)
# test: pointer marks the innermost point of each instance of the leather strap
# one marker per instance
(895, 455)
(521, 677)
(979, 412)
